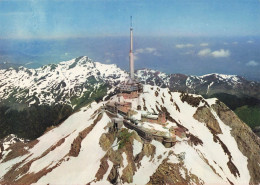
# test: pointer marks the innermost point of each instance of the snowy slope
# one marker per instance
(63, 80)
(84, 150)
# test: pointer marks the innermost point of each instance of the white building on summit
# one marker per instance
(131, 86)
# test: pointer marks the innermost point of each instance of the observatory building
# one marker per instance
(130, 87)
(125, 110)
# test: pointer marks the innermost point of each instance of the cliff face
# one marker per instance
(219, 148)
(248, 142)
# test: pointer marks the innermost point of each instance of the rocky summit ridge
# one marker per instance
(85, 149)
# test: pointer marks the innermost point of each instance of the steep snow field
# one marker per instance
(210, 150)
(51, 163)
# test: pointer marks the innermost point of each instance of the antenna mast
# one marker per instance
(131, 25)
(131, 55)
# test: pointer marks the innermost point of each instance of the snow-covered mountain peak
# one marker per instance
(209, 84)
(223, 77)
(87, 145)
(65, 80)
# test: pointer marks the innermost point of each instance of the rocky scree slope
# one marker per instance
(219, 148)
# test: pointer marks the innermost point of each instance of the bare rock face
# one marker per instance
(148, 150)
(102, 168)
(204, 115)
(113, 175)
(115, 155)
(170, 173)
(106, 140)
(129, 170)
(248, 142)
(193, 101)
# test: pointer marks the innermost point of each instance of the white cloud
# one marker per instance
(250, 42)
(180, 46)
(217, 53)
(188, 53)
(141, 50)
(145, 50)
(252, 63)
(221, 53)
(204, 52)
(204, 44)
(235, 43)
(136, 57)
(152, 51)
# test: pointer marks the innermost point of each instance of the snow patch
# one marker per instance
(137, 147)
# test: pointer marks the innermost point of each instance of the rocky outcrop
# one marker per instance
(256, 130)
(248, 142)
(148, 150)
(18, 149)
(204, 115)
(106, 140)
(102, 168)
(129, 170)
(193, 101)
(172, 173)
(193, 140)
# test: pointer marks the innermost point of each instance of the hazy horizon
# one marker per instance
(187, 55)
(180, 36)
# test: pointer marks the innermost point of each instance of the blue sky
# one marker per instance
(175, 36)
(91, 18)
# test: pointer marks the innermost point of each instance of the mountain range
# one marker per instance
(52, 92)
(85, 149)
(55, 130)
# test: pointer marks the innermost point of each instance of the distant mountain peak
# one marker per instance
(59, 83)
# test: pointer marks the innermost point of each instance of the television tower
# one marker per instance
(131, 55)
